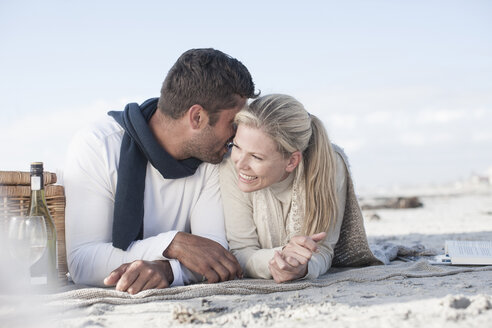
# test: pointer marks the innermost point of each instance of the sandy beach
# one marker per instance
(404, 87)
(404, 294)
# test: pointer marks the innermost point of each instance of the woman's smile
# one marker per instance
(247, 178)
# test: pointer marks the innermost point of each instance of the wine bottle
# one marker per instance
(46, 267)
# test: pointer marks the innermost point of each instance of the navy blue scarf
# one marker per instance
(138, 147)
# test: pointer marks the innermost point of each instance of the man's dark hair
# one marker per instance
(206, 77)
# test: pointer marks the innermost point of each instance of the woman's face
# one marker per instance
(258, 162)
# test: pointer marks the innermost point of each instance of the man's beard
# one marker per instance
(204, 147)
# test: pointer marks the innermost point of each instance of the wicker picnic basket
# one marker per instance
(15, 194)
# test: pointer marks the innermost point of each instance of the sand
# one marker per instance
(458, 300)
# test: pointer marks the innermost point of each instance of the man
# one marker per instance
(136, 187)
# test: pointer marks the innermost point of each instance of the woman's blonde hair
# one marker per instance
(292, 128)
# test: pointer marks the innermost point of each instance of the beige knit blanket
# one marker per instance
(83, 297)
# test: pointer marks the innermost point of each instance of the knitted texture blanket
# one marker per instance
(82, 297)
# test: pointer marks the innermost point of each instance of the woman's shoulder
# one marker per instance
(226, 167)
(342, 167)
(227, 174)
(341, 158)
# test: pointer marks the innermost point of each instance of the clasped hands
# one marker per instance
(292, 262)
(211, 260)
(201, 255)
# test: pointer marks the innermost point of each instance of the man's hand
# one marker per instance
(204, 256)
(292, 262)
(140, 275)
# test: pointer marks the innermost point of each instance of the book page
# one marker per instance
(461, 248)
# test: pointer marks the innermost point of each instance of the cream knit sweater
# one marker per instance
(258, 223)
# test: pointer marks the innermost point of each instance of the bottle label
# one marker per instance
(35, 182)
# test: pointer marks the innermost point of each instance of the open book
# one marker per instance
(461, 252)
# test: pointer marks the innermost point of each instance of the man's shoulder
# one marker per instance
(207, 169)
(102, 130)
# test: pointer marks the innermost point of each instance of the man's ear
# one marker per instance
(294, 160)
(197, 117)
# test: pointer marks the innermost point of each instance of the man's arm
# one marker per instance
(205, 251)
(204, 256)
(90, 177)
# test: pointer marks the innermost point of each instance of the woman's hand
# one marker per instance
(285, 267)
(292, 262)
(304, 246)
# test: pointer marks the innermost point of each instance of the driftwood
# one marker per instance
(390, 202)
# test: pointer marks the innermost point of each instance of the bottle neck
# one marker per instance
(37, 182)
(37, 190)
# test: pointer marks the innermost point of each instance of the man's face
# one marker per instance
(210, 145)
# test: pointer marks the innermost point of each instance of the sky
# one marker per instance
(405, 87)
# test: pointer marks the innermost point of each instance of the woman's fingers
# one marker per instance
(296, 245)
(284, 268)
(292, 260)
(279, 261)
(304, 244)
(318, 236)
(299, 259)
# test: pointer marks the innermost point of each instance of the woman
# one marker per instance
(284, 191)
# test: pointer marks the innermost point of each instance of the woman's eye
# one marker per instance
(256, 157)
